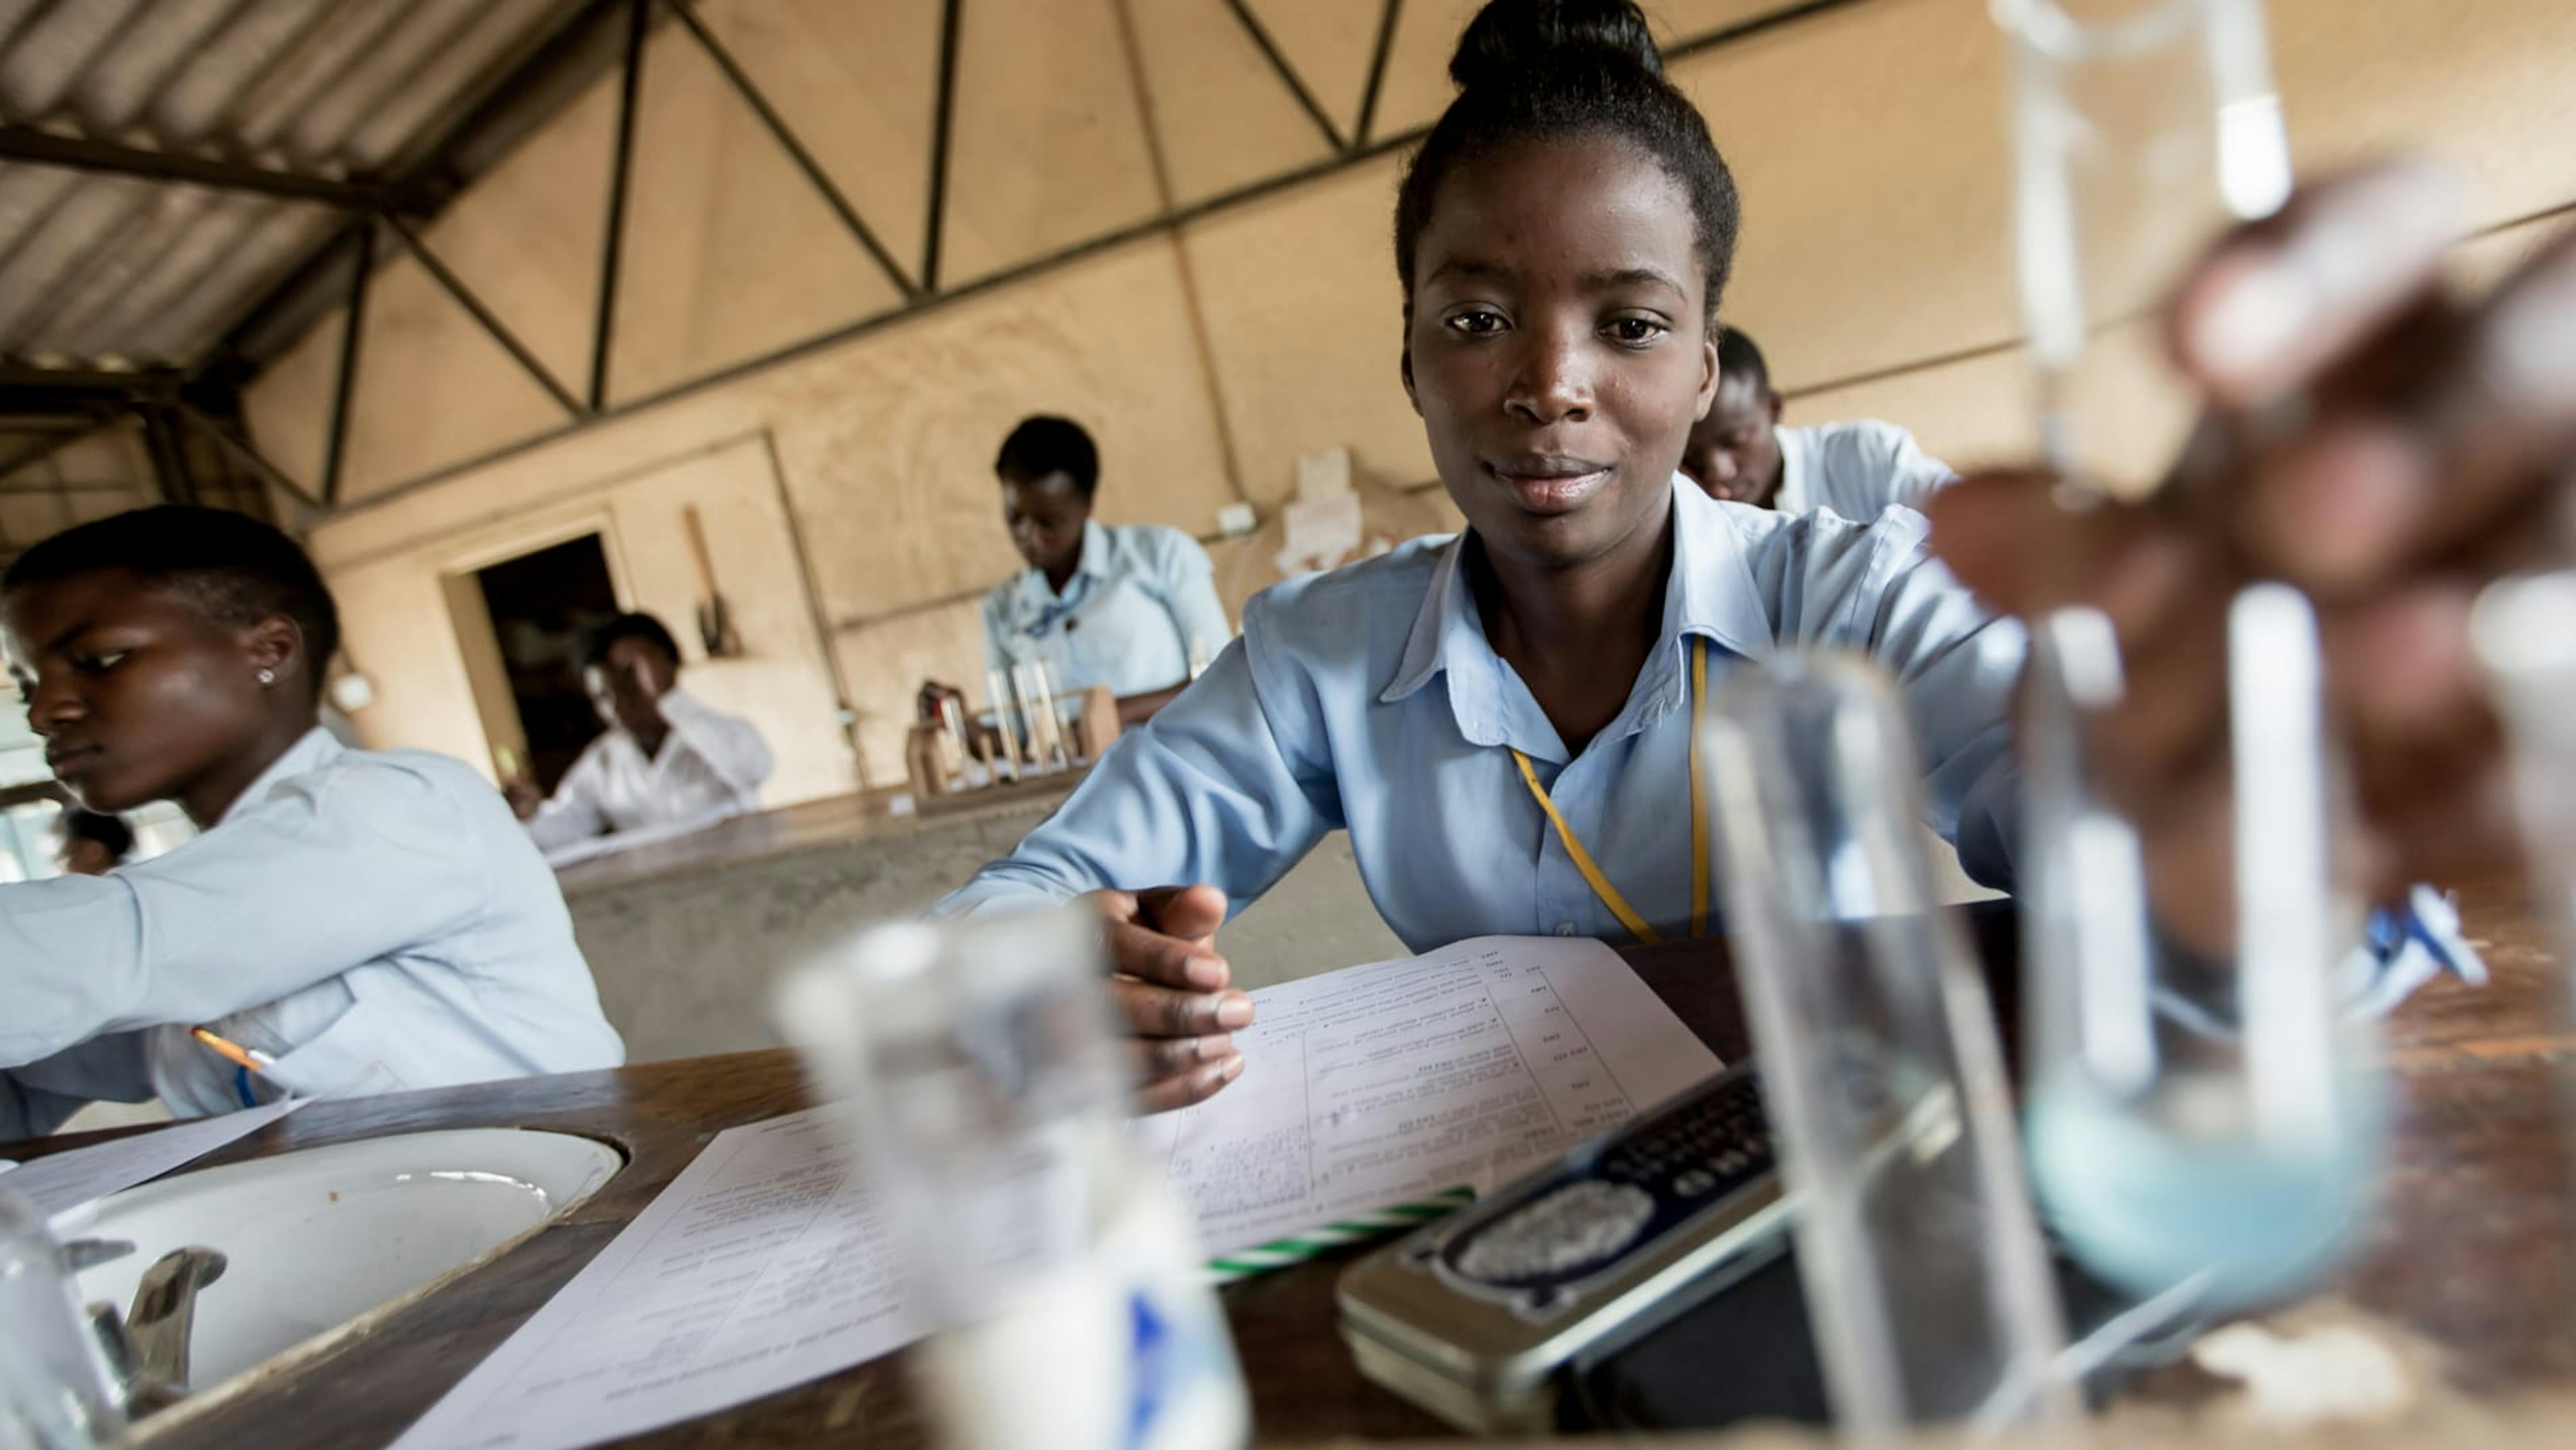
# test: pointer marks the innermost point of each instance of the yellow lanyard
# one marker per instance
(1591, 869)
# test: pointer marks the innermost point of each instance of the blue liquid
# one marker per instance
(2146, 1203)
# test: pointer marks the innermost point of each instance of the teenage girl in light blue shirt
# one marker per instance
(1502, 720)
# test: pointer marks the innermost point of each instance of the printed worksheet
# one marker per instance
(1383, 1084)
(764, 1264)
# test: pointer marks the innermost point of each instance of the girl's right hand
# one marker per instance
(1170, 988)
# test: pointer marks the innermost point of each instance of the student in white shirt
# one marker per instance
(368, 921)
(1124, 607)
(1741, 452)
(665, 758)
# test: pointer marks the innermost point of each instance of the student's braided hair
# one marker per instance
(1544, 69)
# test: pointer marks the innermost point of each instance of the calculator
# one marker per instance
(1478, 1317)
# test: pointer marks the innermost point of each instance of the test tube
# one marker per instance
(2203, 1121)
(997, 685)
(2140, 128)
(1882, 1071)
(1037, 713)
(953, 753)
(53, 1394)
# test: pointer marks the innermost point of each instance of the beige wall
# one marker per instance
(1868, 141)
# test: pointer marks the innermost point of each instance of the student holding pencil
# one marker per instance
(349, 921)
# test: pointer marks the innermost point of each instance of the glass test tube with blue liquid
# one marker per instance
(2200, 1121)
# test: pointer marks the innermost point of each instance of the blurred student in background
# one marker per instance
(1741, 452)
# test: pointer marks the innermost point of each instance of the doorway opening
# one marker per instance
(539, 611)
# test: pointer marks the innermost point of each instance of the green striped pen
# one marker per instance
(1358, 1228)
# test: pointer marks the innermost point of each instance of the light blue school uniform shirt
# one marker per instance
(1369, 699)
(1857, 469)
(1140, 597)
(374, 921)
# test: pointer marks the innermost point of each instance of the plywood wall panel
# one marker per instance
(526, 238)
(433, 388)
(1328, 45)
(889, 443)
(287, 408)
(2482, 85)
(1047, 148)
(1220, 114)
(730, 252)
(858, 84)
(1305, 322)
(1868, 145)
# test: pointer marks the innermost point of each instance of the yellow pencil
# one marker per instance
(233, 1052)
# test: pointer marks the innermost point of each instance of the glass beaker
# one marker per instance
(2202, 1118)
(2140, 128)
(1882, 1070)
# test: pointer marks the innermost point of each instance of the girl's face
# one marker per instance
(137, 693)
(1559, 348)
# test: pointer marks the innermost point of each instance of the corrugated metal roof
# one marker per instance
(100, 270)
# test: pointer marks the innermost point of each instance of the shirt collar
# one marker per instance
(316, 750)
(1711, 595)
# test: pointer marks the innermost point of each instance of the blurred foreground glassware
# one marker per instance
(2203, 1120)
(2524, 633)
(988, 1104)
(53, 1395)
(1923, 1266)
(2141, 128)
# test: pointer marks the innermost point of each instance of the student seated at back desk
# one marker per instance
(1503, 720)
(665, 759)
(1124, 607)
(353, 921)
(93, 843)
(1741, 452)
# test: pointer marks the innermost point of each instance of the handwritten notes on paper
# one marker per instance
(1386, 1083)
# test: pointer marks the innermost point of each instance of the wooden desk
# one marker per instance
(2469, 1253)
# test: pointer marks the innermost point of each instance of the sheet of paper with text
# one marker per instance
(1383, 1084)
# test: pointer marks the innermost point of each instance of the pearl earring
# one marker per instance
(268, 677)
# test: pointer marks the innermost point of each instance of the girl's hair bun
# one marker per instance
(1509, 39)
